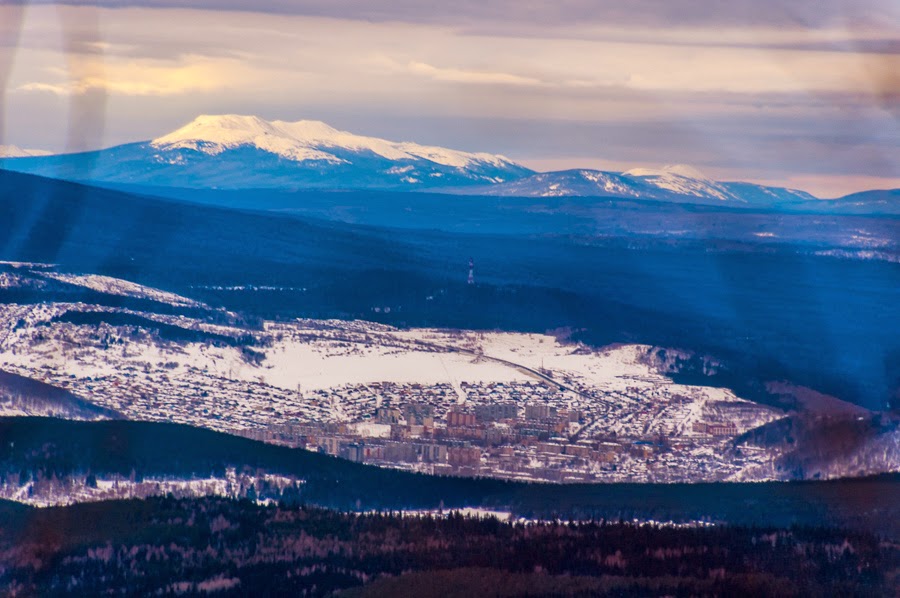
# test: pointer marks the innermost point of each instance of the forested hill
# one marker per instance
(167, 546)
(770, 308)
(35, 450)
(33, 397)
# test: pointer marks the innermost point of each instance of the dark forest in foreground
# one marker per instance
(165, 546)
(50, 454)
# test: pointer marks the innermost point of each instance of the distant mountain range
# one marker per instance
(247, 152)
(679, 183)
(242, 152)
(11, 151)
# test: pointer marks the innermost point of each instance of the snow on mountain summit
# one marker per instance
(678, 183)
(683, 180)
(12, 151)
(213, 135)
(233, 151)
(306, 140)
(682, 170)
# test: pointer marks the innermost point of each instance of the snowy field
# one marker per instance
(302, 357)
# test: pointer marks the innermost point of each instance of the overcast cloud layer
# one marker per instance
(656, 13)
(803, 93)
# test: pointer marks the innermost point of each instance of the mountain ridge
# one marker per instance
(678, 183)
(14, 151)
(298, 140)
(241, 152)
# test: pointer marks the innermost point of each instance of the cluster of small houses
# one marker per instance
(468, 440)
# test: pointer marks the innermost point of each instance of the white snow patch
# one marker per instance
(305, 140)
(12, 151)
(117, 286)
(682, 179)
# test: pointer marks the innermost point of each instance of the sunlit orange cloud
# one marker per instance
(339, 50)
(140, 77)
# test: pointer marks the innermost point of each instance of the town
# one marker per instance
(470, 415)
(452, 402)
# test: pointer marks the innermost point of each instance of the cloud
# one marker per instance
(656, 13)
(457, 75)
(595, 59)
(136, 78)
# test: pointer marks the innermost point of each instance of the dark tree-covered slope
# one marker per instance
(166, 546)
(48, 447)
(770, 310)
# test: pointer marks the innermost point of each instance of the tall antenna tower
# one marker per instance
(471, 271)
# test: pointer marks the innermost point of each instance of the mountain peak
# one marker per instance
(309, 129)
(686, 171)
(228, 121)
(683, 180)
(214, 134)
(308, 140)
(234, 151)
(219, 125)
(228, 129)
(12, 151)
(682, 170)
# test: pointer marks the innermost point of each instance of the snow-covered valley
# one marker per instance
(462, 402)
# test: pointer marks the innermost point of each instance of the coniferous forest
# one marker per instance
(166, 546)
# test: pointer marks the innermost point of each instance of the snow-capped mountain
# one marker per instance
(247, 152)
(569, 183)
(681, 179)
(232, 151)
(670, 183)
(12, 151)
(307, 140)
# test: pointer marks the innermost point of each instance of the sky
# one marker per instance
(803, 93)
